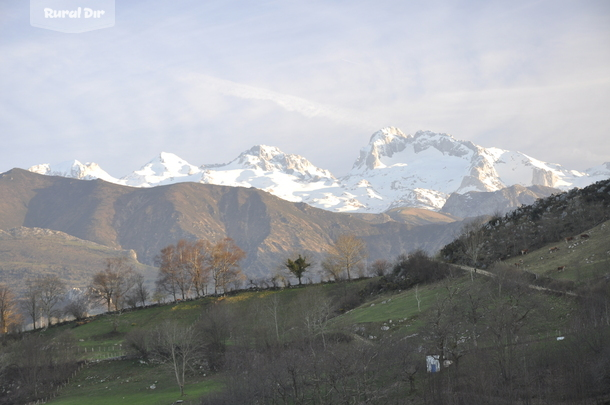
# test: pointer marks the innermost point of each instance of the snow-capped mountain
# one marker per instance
(266, 159)
(166, 168)
(74, 169)
(393, 170)
(422, 170)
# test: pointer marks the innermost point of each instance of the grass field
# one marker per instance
(129, 383)
(583, 258)
(398, 311)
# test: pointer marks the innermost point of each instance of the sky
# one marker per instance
(207, 80)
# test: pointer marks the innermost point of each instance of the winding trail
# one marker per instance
(532, 286)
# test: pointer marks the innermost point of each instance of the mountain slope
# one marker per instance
(548, 220)
(31, 252)
(148, 219)
(475, 203)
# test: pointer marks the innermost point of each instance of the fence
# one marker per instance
(101, 352)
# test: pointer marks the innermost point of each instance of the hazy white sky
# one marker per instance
(207, 80)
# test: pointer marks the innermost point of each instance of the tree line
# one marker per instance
(186, 269)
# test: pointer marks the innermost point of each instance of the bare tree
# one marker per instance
(178, 346)
(139, 293)
(9, 314)
(331, 267)
(198, 265)
(173, 263)
(315, 310)
(473, 239)
(78, 307)
(349, 252)
(225, 258)
(52, 292)
(380, 267)
(31, 300)
(112, 284)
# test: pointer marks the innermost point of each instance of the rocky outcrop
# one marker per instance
(473, 203)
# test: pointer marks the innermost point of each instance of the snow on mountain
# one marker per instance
(164, 169)
(393, 170)
(267, 159)
(598, 173)
(74, 169)
(422, 170)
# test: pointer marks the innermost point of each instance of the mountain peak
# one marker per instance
(393, 169)
(264, 152)
(385, 142)
(73, 169)
(164, 167)
(272, 159)
(390, 141)
(386, 135)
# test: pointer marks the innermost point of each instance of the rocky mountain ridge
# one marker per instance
(394, 170)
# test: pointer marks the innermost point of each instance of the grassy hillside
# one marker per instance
(497, 339)
(418, 216)
(578, 260)
(395, 318)
(546, 222)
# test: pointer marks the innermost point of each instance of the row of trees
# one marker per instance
(47, 297)
(40, 301)
(188, 268)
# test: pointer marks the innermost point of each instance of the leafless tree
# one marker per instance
(178, 346)
(331, 267)
(9, 314)
(473, 239)
(78, 307)
(198, 265)
(349, 252)
(139, 293)
(112, 284)
(314, 310)
(225, 258)
(31, 300)
(380, 267)
(173, 269)
(52, 291)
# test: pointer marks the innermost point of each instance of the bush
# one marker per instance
(137, 341)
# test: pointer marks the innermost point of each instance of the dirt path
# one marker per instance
(532, 286)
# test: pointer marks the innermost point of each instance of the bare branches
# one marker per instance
(225, 259)
(112, 285)
(176, 345)
(9, 315)
(189, 266)
(347, 254)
